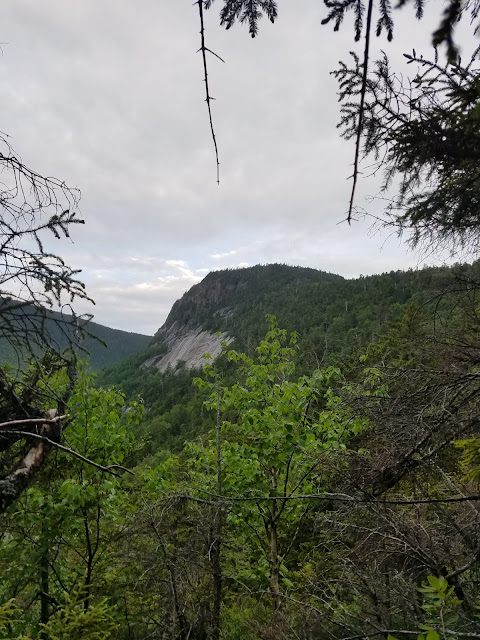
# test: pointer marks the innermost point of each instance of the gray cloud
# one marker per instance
(109, 96)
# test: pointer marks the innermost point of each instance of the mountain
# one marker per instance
(334, 317)
(226, 305)
(102, 345)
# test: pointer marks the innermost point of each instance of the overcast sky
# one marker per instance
(108, 96)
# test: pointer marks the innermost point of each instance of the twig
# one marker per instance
(208, 98)
(361, 110)
(13, 423)
(327, 497)
(338, 497)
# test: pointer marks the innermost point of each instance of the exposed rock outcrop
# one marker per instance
(187, 346)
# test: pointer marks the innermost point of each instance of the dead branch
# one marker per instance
(208, 98)
(72, 452)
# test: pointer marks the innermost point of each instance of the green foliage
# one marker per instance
(272, 450)
(73, 622)
(10, 620)
(57, 539)
(441, 606)
(470, 458)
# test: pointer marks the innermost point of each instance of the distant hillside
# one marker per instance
(333, 315)
(228, 305)
(104, 347)
(119, 345)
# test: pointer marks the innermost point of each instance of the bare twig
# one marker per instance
(208, 98)
(361, 110)
(329, 497)
(14, 423)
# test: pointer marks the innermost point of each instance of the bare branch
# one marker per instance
(71, 452)
(361, 110)
(13, 423)
(208, 98)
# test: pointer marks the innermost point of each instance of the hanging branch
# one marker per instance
(208, 98)
(361, 110)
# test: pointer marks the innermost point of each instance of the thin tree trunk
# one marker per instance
(44, 579)
(274, 568)
(217, 532)
(176, 615)
(44, 588)
(90, 555)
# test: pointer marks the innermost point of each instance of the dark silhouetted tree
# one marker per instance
(33, 281)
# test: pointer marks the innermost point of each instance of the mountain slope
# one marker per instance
(333, 316)
(226, 305)
(119, 345)
(102, 345)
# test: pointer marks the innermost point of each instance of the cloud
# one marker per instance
(109, 98)
(219, 256)
(138, 299)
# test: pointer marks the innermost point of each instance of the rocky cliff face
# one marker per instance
(186, 340)
(201, 301)
(187, 346)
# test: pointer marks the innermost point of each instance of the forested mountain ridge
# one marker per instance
(333, 316)
(222, 293)
(103, 346)
(226, 305)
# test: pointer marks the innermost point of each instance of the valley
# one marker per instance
(314, 476)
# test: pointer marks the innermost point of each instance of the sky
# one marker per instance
(109, 97)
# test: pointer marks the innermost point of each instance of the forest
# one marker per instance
(263, 497)
(319, 480)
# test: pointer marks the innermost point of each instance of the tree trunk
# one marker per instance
(44, 588)
(274, 568)
(217, 578)
(89, 559)
(217, 532)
